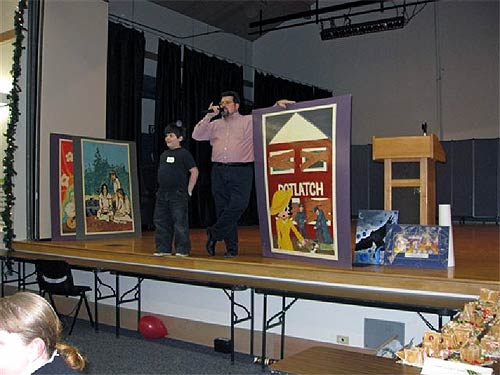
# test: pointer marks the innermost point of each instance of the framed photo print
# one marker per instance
(107, 200)
(302, 180)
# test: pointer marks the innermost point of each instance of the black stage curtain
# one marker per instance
(268, 89)
(167, 109)
(204, 79)
(168, 92)
(125, 76)
(322, 93)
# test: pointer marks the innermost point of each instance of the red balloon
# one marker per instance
(152, 328)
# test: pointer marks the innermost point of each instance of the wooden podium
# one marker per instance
(425, 150)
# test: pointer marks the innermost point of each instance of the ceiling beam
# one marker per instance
(381, 9)
(314, 12)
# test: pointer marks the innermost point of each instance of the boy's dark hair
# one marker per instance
(176, 128)
(236, 97)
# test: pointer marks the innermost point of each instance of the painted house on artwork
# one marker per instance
(300, 159)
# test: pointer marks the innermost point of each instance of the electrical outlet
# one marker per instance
(344, 340)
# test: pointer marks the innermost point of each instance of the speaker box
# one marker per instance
(222, 345)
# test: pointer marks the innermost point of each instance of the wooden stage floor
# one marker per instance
(477, 264)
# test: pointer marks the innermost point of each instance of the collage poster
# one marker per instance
(417, 246)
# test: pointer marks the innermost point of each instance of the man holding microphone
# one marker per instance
(231, 137)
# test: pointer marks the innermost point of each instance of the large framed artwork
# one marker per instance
(303, 182)
(106, 187)
(63, 223)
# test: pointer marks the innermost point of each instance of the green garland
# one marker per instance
(10, 133)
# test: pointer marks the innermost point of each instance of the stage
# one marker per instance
(440, 292)
(477, 264)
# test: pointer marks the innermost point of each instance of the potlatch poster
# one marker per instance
(300, 181)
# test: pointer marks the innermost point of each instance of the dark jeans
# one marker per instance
(171, 222)
(231, 188)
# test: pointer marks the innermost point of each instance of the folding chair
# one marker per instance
(55, 278)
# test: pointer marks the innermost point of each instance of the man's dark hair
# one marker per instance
(176, 128)
(234, 94)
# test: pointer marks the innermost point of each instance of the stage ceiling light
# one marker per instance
(363, 28)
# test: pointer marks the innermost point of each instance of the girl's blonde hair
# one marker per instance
(30, 316)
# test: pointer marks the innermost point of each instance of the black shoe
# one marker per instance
(230, 254)
(211, 241)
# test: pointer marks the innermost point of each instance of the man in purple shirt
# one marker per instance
(231, 137)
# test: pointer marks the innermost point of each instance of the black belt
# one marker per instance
(233, 164)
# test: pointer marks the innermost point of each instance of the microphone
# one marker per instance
(207, 111)
(424, 128)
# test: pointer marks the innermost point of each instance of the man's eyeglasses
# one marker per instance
(224, 102)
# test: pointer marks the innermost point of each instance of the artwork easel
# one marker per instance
(425, 150)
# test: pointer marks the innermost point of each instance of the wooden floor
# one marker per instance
(477, 259)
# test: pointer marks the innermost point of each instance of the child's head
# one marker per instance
(30, 333)
(29, 329)
(174, 135)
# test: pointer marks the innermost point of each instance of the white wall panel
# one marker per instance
(73, 83)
